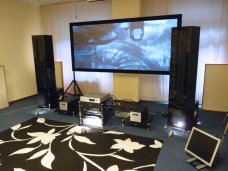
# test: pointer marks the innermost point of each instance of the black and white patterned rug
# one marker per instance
(43, 145)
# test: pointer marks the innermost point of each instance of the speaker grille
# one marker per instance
(183, 74)
(45, 70)
(183, 67)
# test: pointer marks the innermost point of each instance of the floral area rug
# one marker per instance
(44, 145)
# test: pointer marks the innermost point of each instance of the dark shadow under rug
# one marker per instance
(42, 145)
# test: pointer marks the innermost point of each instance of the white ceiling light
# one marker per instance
(94, 0)
(48, 2)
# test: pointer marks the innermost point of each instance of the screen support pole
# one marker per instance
(77, 90)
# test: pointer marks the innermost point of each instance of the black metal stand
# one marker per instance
(77, 90)
(47, 107)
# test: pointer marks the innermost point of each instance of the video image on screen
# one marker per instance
(123, 46)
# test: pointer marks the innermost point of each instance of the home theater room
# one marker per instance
(113, 85)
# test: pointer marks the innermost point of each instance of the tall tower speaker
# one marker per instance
(182, 108)
(45, 70)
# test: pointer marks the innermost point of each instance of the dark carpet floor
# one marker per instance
(172, 156)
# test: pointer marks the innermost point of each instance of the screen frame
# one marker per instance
(208, 163)
(161, 17)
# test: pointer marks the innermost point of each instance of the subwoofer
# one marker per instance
(45, 70)
(183, 74)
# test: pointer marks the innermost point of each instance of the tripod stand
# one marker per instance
(77, 90)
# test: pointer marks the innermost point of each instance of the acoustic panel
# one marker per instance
(59, 74)
(3, 89)
(215, 91)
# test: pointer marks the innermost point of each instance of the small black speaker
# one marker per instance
(183, 70)
(45, 70)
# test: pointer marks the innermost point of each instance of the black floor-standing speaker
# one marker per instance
(45, 70)
(182, 107)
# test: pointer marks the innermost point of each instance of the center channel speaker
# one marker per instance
(183, 74)
(45, 70)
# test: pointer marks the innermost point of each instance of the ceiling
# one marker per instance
(48, 2)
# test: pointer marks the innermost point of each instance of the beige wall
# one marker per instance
(126, 8)
(18, 22)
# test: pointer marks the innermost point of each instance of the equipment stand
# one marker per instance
(76, 87)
